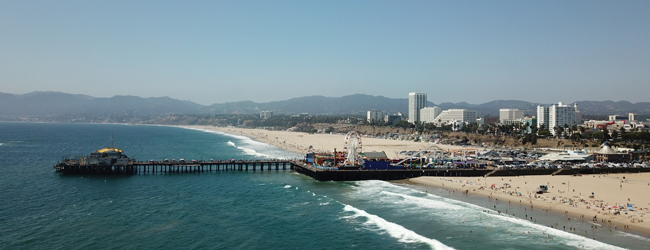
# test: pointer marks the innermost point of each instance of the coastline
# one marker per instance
(607, 189)
(570, 199)
(300, 142)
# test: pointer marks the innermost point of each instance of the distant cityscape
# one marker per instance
(556, 118)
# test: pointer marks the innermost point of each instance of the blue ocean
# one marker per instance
(41, 209)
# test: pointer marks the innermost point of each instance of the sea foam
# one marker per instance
(396, 231)
(385, 192)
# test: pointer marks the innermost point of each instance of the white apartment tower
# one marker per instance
(375, 116)
(542, 116)
(510, 115)
(557, 115)
(417, 101)
(429, 114)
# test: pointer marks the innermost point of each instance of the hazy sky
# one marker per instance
(221, 51)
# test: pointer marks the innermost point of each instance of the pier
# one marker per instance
(167, 167)
(153, 167)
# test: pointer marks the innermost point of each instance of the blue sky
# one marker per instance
(223, 51)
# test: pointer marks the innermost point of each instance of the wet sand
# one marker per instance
(569, 195)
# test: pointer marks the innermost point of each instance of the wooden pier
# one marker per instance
(153, 167)
(166, 167)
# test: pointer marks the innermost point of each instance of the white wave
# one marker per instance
(251, 147)
(396, 231)
(388, 193)
(249, 151)
(559, 235)
(287, 186)
(632, 236)
(1, 144)
(424, 202)
(323, 203)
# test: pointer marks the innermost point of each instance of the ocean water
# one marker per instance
(40, 209)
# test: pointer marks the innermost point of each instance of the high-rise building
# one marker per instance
(375, 116)
(429, 114)
(578, 114)
(456, 115)
(557, 115)
(510, 115)
(417, 101)
(542, 116)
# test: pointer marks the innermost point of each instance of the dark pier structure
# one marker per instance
(167, 167)
(153, 167)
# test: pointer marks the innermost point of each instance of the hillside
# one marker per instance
(57, 103)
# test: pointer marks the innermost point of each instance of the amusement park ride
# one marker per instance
(353, 148)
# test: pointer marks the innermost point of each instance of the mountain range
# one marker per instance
(57, 103)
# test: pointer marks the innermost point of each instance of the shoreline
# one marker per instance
(300, 142)
(557, 201)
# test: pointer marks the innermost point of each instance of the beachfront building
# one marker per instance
(266, 114)
(455, 116)
(529, 122)
(607, 154)
(375, 116)
(616, 123)
(390, 119)
(542, 116)
(557, 115)
(429, 114)
(417, 101)
(510, 115)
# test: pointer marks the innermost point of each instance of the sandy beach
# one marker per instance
(568, 195)
(300, 142)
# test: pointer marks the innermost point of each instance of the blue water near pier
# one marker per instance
(40, 209)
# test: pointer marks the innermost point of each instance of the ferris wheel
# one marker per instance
(353, 147)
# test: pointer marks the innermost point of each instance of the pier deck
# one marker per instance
(153, 167)
(175, 167)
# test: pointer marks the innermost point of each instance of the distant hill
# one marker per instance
(57, 103)
(613, 108)
(351, 104)
(360, 103)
